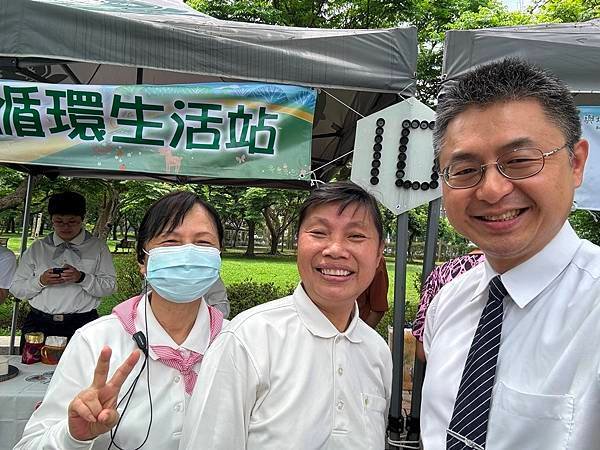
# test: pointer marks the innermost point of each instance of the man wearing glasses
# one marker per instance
(64, 275)
(512, 345)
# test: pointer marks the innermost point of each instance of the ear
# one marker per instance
(578, 159)
(142, 268)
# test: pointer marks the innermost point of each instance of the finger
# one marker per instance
(102, 366)
(90, 398)
(108, 417)
(78, 408)
(125, 369)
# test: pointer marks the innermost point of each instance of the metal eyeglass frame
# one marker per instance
(482, 168)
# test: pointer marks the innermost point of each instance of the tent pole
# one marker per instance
(413, 426)
(24, 233)
(396, 425)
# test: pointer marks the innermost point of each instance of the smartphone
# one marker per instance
(58, 270)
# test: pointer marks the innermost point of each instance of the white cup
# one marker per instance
(3, 365)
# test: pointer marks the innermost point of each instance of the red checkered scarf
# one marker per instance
(126, 312)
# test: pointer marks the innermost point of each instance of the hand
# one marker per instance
(48, 278)
(94, 410)
(70, 274)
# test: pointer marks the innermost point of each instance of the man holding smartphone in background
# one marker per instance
(64, 275)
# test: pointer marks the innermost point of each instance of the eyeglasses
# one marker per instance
(516, 164)
(70, 223)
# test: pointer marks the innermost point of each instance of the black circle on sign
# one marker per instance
(401, 165)
(374, 180)
(376, 155)
(402, 148)
(378, 139)
(406, 184)
(401, 156)
(400, 174)
(415, 124)
(416, 185)
(432, 125)
(374, 172)
(433, 185)
(424, 186)
(405, 132)
(424, 125)
(379, 131)
(403, 140)
(434, 176)
(405, 123)
(377, 147)
(375, 163)
(399, 182)
(380, 122)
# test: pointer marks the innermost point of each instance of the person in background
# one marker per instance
(8, 265)
(439, 276)
(373, 302)
(512, 345)
(217, 297)
(64, 275)
(142, 402)
(304, 372)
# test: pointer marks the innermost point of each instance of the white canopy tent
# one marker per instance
(109, 41)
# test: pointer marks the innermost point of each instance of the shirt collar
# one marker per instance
(316, 322)
(196, 341)
(527, 280)
(75, 241)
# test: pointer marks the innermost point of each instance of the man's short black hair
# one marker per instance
(168, 213)
(506, 80)
(67, 204)
(345, 193)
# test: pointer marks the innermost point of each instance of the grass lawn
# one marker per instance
(280, 270)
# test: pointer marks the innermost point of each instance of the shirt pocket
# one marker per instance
(374, 419)
(531, 421)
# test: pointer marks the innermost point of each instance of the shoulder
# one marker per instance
(252, 318)
(373, 340)
(102, 330)
(587, 260)
(6, 255)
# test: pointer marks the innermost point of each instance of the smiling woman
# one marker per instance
(258, 377)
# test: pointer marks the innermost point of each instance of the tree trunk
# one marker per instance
(250, 248)
(274, 244)
(17, 197)
(107, 212)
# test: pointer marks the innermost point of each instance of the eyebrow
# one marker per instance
(462, 155)
(352, 224)
(175, 233)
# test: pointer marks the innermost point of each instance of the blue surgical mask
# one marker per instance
(182, 273)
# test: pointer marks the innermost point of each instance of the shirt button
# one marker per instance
(340, 371)
(340, 405)
(176, 379)
(178, 407)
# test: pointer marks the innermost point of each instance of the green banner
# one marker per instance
(215, 130)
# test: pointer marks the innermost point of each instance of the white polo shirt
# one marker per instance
(283, 377)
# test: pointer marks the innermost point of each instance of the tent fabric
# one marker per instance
(107, 41)
(169, 35)
(569, 50)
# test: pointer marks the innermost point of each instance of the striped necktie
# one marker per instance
(468, 427)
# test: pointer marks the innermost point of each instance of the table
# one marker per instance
(19, 397)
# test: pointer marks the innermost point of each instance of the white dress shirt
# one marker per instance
(8, 264)
(95, 260)
(48, 429)
(283, 377)
(547, 388)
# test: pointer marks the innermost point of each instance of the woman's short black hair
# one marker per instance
(67, 204)
(345, 193)
(168, 213)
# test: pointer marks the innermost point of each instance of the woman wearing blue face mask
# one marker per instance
(125, 379)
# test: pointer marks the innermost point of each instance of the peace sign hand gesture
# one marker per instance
(94, 410)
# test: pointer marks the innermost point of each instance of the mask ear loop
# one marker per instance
(129, 392)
